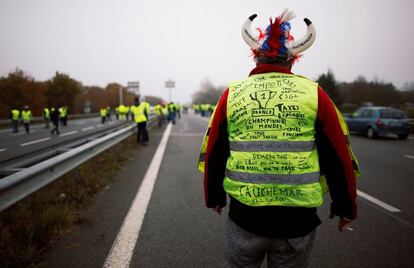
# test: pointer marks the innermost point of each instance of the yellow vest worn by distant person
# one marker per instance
(138, 112)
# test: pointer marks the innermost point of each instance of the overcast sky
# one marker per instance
(102, 41)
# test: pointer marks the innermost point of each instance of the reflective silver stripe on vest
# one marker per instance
(292, 179)
(272, 146)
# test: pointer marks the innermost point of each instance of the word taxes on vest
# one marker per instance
(273, 158)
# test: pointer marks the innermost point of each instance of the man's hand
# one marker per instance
(343, 222)
(217, 209)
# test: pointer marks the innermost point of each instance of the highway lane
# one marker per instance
(13, 145)
(178, 231)
(387, 171)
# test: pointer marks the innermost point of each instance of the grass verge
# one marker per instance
(30, 227)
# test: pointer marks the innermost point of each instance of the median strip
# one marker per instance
(377, 202)
(35, 141)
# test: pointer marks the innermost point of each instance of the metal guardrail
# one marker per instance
(34, 156)
(18, 186)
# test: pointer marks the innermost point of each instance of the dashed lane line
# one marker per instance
(409, 156)
(124, 244)
(377, 202)
(87, 128)
(3, 149)
(22, 133)
(68, 133)
(187, 134)
(35, 141)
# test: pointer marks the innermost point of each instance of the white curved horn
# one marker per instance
(248, 37)
(306, 41)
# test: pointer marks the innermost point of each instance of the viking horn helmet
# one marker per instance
(293, 48)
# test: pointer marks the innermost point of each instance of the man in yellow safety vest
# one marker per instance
(46, 116)
(14, 117)
(27, 118)
(158, 110)
(103, 113)
(273, 141)
(140, 112)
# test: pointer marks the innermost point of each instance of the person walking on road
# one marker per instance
(140, 112)
(158, 111)
(46, 116)
(276, 144)
(172, 112)
(27, 118)
(14, 117)
(63, 115)
(55, 116)
(103, 112)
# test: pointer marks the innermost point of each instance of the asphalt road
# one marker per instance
(178, 231)
(16, 144)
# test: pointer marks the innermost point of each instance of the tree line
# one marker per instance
(347, 96)
(19, 89)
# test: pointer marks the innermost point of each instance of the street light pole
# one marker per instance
(169, 84)
(120, 96)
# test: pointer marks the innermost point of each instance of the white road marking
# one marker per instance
(68, 133)
(377, 202)
(99, 126)
(124, 244)
(22, 133)
(409, 156)
(80, 123)
(187, 134)
(3, 149)
(206, 119)
(35, 141)
(87, 128)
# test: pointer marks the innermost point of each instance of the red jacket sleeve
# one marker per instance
(334, 158)
(217, 153)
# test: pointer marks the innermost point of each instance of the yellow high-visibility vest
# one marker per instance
(273, 158)
(15, 114)
(138, 112)
(26, 116)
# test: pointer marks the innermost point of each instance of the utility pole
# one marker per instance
(121, 101)
(169, 84)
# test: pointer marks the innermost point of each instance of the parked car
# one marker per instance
(374, 121)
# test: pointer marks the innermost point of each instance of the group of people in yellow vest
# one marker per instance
(139, 113)
(54, 115)
(25, 116)
(50, 114)
(205, 109)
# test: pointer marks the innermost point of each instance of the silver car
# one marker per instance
(375, 121)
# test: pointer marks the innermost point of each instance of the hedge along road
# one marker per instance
(178, 231)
